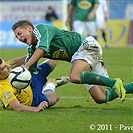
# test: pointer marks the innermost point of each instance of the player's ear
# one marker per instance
(29, 28)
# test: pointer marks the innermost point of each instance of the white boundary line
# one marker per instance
(76, 97)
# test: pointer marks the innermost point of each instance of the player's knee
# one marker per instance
(52, 63)
(53, 100)
(74, 79)
(100, 100)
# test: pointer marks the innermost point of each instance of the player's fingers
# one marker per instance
(45, 104)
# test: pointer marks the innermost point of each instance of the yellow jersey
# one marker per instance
(9, 93)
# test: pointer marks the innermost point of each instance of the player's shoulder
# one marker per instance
(41, 25)
(5, 84)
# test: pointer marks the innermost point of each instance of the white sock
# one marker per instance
(49, 86)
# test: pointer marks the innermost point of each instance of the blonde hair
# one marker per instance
(22, 24)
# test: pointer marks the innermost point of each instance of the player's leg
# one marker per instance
(78, 66)
(97, 93)
(129, 88)
(105, 94)
(111, 94)
(92, 78)
(49, 89)
(91, 30)
(39, 78)
(52, 97)
(84, 60)
(102, 94)
(101, 26)
(78, 27)
(51, 63)
(104, 37)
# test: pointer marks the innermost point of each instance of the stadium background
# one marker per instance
(76, 111)
(119, 27)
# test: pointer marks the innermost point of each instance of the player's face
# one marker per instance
(24, 35)
(4, 70)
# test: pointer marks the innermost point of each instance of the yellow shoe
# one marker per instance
(59, 81)
(119, 89)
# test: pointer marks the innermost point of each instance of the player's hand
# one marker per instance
(91, 15)
(16, 62)
(68, 22)
(43, 105)
(13, 63)
(26, 66)
(106, 16)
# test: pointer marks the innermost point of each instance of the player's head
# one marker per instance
(23, 30)
(4, 69)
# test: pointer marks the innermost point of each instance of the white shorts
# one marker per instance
(85, 28)
(91, 51)
(100, 23)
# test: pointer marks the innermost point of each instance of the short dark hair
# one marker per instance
(22, 23)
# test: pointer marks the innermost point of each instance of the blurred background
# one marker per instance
(119, 26)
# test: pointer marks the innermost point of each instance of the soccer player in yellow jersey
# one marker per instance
(32, 98)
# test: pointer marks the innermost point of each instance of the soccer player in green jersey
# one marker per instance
(83, 16)
(85, 54)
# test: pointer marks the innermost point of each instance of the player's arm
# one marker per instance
(15, 105)
(17, 62)
(70, 11)
(93, 11)
(35, 57)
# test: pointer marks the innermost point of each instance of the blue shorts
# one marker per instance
(39, 78)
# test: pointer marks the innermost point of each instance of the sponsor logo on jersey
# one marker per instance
(60, 54)
(35, 72)
(25, 90)
(7, 95)
(85, 4)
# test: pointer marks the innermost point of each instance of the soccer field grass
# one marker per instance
(76, 112)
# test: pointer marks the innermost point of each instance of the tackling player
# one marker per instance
(33, 98)
(84, 53)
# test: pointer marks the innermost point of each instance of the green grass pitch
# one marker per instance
(76, 112)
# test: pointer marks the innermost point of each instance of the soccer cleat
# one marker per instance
(119, 89)
(59, 81)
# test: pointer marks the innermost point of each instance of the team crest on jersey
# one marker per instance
(60, 54)
(7, 95)
(35, 72)
(84, 4)
(26, 90)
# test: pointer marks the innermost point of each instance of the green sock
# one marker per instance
(128, 88)
(92, 78)
(111, 94)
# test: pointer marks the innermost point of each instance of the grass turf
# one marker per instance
(76, 112)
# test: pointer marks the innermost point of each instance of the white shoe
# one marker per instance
(59, 81)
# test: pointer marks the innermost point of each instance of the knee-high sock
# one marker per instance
(92, 78)
(111, 94)
(128, 88)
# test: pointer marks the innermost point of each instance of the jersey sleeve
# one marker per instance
(6, 94)
(44, 35)
(73, 2)
(96, 1)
